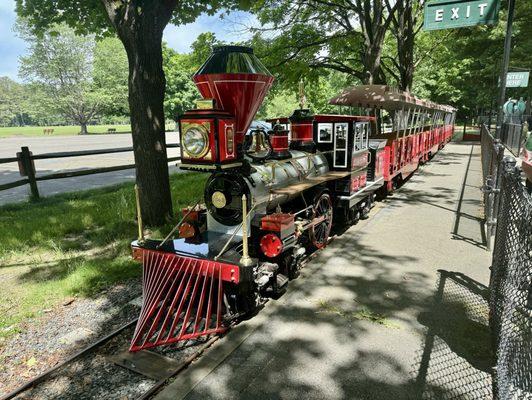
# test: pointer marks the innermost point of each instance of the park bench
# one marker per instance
(48, 131)
(111, 130)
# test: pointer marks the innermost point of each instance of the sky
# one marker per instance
(230, 28)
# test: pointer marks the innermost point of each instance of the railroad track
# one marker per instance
(46, 374)
(157, 367)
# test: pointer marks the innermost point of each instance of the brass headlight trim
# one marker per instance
(203, 129)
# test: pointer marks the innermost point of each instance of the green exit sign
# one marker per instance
(445, 14)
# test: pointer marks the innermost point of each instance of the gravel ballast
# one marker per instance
(64, 330)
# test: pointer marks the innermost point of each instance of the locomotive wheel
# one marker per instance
(364, 212)
(319, 233)
(354, 215)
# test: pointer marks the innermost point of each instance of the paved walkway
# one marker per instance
(393, 309)
(38, 145)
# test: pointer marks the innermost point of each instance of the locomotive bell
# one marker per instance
(259, 146)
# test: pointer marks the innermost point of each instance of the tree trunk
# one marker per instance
(405, 31)
(142, 39)
(372, 65)
(83, 129)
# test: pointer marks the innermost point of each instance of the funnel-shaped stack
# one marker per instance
(238, 81)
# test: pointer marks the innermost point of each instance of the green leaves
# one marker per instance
(59, 63)
(110, 77)
(180, 90)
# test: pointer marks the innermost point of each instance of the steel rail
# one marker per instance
(186, 362)
(77, 355)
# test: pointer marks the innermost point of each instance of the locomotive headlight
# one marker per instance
(196, 141)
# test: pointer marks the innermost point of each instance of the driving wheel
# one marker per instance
(319, 233)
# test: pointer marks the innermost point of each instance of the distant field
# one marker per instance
(58, 130)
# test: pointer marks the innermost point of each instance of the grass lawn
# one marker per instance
(72, 130)
(459, 132)
(58, 130)
(72, 245)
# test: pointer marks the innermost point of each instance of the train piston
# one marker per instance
(183, 298)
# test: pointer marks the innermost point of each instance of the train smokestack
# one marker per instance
(238, 81)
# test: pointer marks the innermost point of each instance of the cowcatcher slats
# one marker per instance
(182, 299)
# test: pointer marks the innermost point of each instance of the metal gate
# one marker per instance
(511, 288)
(492, 153)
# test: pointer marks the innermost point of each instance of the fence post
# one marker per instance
(30, 171)
(465, 124)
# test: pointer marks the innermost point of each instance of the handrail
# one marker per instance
(178, 225)
(233, 234)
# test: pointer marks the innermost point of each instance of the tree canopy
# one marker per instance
(139, 24)
(308, 39)
(60, 64)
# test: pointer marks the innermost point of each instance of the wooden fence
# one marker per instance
(25, 160)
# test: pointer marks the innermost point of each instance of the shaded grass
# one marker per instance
(361, 314)
(72, 245)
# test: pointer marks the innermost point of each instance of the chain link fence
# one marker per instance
(492, 153)
(513, 136)
(511, 287)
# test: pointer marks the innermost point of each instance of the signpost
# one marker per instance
(445, 14)
(505, 63)
(517, 79)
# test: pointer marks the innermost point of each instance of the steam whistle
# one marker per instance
(302, 97)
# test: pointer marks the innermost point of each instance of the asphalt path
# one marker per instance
(39, 145)
(393, 309)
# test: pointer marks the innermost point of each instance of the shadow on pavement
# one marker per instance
(457, 350)
(334, 335)
(308, 350)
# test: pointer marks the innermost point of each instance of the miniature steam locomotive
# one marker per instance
(272, 196)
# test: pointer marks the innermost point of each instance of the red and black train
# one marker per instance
(272, 196)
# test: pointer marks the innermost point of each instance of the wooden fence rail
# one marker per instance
(25, 160)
